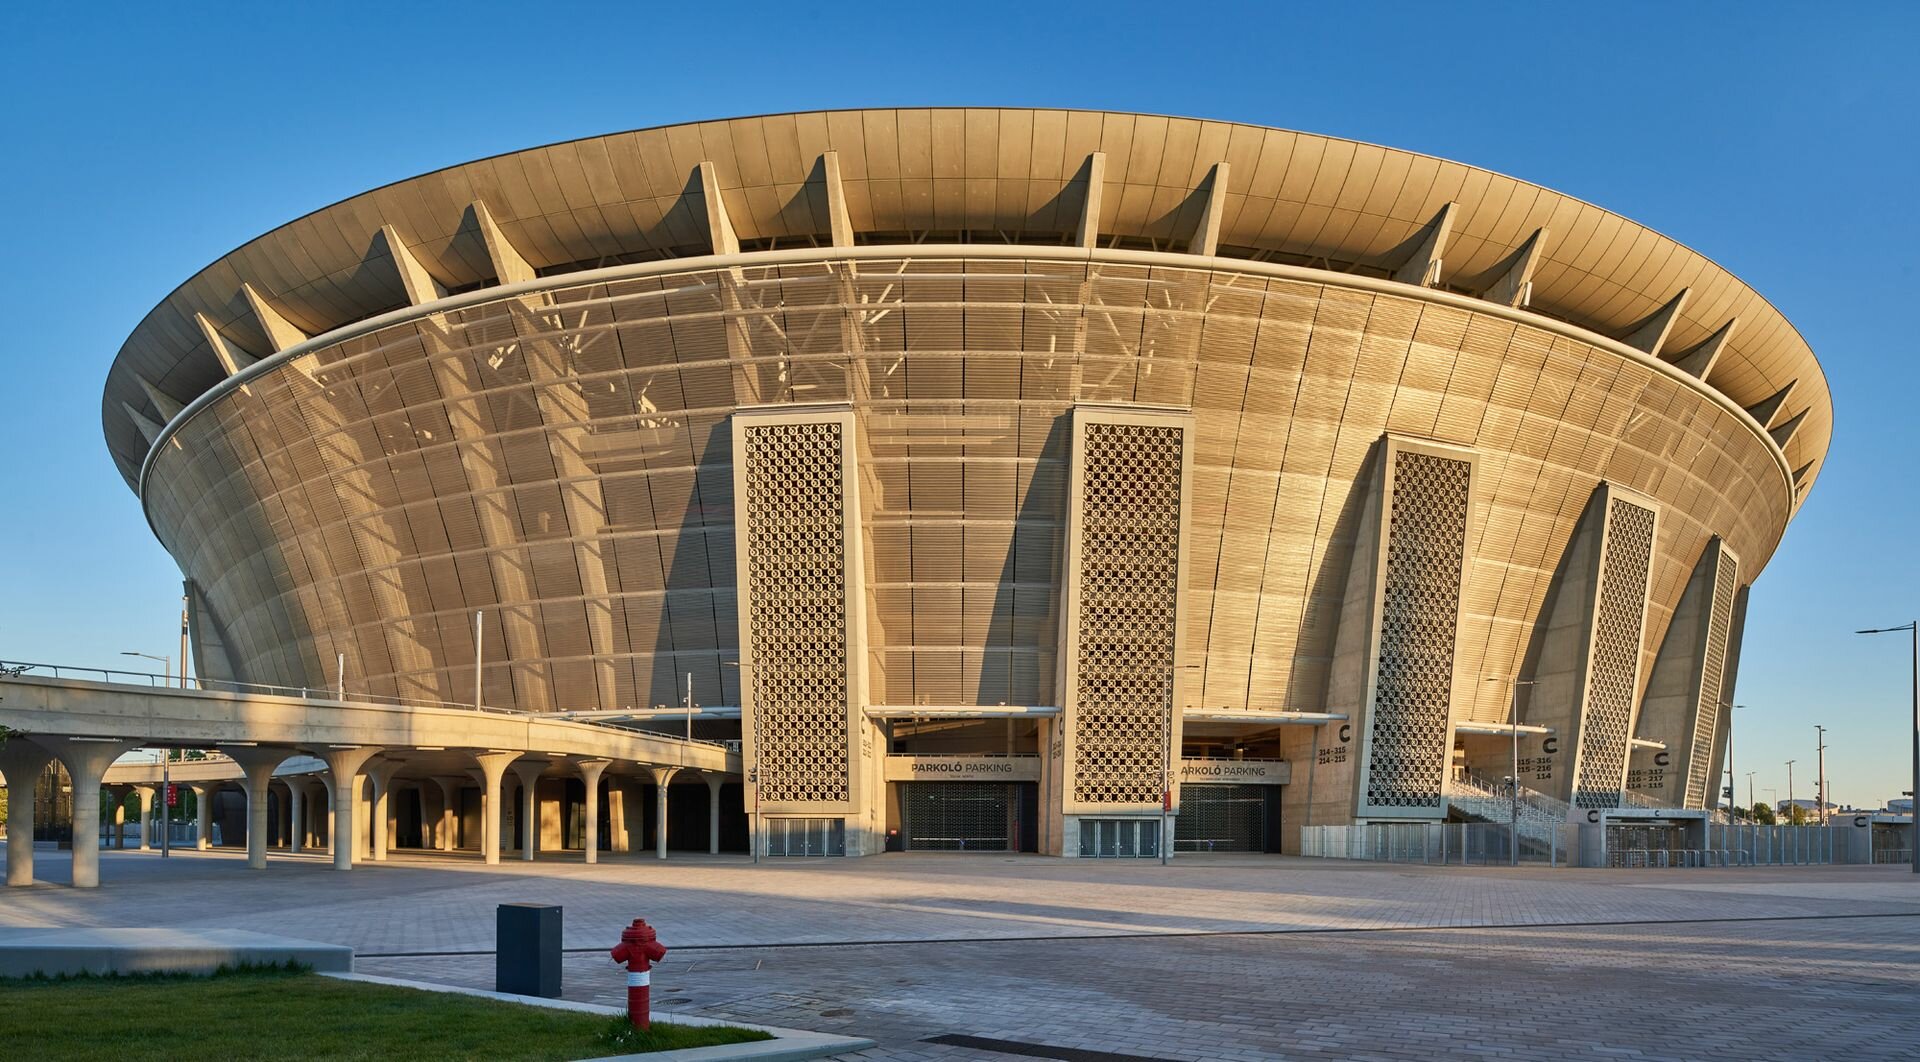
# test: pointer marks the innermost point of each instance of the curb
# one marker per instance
(787, 1045)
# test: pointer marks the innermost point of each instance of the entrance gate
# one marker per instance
(969, 816)
(1228, 818)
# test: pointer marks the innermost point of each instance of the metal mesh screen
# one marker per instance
(797, 609)
(1221, 818)
(958, 816)
(1613, 671)
(1706, 718)
(1129, 568)
(1419, 618)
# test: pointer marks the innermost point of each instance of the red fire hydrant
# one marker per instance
(639, 950)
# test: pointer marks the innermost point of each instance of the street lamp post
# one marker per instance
(1790, 804)
(1913, 837)
(1750, 800)
(1731, 817)
(1513, 782)
(1820, 775)
(166, 765)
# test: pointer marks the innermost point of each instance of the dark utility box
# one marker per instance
(527, 950)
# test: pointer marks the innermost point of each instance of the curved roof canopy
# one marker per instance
(946, 176)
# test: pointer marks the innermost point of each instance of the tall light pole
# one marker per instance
(479, 655)
(1790, 804)
(1913, 831)
(1731, 708)
(183, 651)
(1513, 719)
(166, 765)
(1820, 776)
(1750, 800)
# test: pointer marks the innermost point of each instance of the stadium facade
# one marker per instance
(982, 469)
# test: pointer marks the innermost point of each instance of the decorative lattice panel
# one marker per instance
(797, 609)
(1129, 578)
(1419, 617)
(1706, 718)
(1613, 668)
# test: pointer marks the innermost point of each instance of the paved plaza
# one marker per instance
(1218, 957)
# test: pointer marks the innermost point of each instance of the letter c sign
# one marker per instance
(1550, 746)
(1593, 816)
(1661, 759)
(1346, 732)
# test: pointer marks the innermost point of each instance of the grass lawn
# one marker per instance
(282, 1014)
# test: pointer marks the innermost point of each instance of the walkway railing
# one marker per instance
(154, 681)
(1541, 816)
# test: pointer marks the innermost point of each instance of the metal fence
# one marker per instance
(1434, 843)
(1779, 845)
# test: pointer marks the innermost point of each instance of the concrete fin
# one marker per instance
(1515, 286)
(1206, 235)
(169, 407)
(279, 331)
(1784, 434)
(1699, 361)
(720, 234)
(140, 420)
(231, 357)
(1087, 233)
(420, 286)
(1800, 474)
(1422, 267)
(838, 218)
(1765, 409)
(1651, 334)
(509, 265)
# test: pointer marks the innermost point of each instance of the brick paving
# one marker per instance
(1299, 958)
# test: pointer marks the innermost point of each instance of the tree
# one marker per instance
(1763, 815)
(1796, 815)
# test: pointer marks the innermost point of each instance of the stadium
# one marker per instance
(999, 479)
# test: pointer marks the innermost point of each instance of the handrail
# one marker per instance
(19, 669)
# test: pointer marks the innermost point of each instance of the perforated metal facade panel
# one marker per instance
(798, 550)
(961, 374)
(1710, 707)
(1408, 720)
(1124, 578)
(1614, 661)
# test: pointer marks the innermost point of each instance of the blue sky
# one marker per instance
(145, 141)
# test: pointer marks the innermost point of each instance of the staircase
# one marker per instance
(1482, 798)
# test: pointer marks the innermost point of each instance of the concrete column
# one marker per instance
(528, 771)
(714, 782)
(317, 803)
(203, 817)
(493, 766)
(327, 797)
(617, 814)
(661, 777)
(21, 761)
(343, 765)
(86, 761)
(117, 795)
(296, 815)
(444, 837)
(590, 772)
(382, 775)
(257, 764)
(145, 794)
